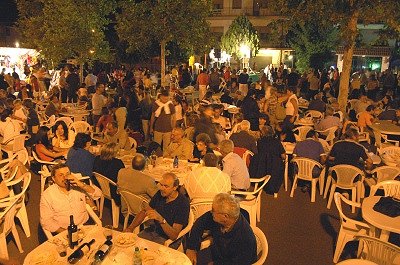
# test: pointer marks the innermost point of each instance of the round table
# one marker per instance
(356, 262)
(164, 165)
(152, 253)
(385, 223)
(384, 127)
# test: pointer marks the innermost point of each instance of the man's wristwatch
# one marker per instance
(163, 221)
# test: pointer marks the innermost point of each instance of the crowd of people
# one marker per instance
(163, 123)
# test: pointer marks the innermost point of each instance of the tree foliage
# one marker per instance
(63, 29)
(183, 21)
(240, 32)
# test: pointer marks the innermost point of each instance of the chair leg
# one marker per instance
(42, 183)
(321, 182)
(16, 238)
(286, 174)
(126, 221)
(333, 188)
(340, 243)
(293, 186)
(259, 210)
(327, 186)
(313, 190)
(23, 218)
(115, 213)
(3, 247)
(353, 198)
(101, 207)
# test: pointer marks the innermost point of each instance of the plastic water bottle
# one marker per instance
(176, 162)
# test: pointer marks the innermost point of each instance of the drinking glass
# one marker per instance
(108, 231)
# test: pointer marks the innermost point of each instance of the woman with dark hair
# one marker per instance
(269, 160)
(79, 159)
(32, 117)
(202, 147)
(43, 148)
(61, 138)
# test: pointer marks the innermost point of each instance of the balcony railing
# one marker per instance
(236, 12)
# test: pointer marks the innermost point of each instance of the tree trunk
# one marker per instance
(162, 58)
(81, 72)
(347, 62)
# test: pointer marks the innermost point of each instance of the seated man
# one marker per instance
(118, 136)
(234, 166)
(328, 121)
(207, 181)
(54, 106)
(233, 241)
(366, 118)
(61, 200)
(317, 103)
(179, 146)
(170, 211)
(349, 151)
(135, 181)
(243, 138)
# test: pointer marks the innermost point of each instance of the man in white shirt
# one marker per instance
(98, 102)
(66, 197)
(90, 81)
(234, 166)
(179, 146)
(206, 181)
(117, 135)
(8, 127)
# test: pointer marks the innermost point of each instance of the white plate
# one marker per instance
(46, 257)
(125, 240)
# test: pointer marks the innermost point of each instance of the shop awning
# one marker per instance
(371, 51)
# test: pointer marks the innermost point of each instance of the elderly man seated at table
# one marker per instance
(170, 211)
(328, 121)
(117, 135)
(317, 103)
(349, 151)
(243, 138)
(67, 196)
(207, 181)
(234, 166)
(179, 146)
(233, 241)
(134, 180)
(54, 106)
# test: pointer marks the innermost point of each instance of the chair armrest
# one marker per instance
(181, 234)
(351, 203)
(93, 215)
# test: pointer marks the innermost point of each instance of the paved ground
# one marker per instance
(298, 232)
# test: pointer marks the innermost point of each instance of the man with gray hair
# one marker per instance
(117, 135)
(207, 181)
(179, 146)
(233, 243)
(243, 138)
(234, 166)
(133, 179)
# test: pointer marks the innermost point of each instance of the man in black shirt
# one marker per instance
(233, 243)
(168, 208)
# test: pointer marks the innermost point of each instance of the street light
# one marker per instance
(17, 44)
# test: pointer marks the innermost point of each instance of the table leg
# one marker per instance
(384, 235)
(286, 174)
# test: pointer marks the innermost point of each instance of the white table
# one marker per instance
(76, 115)
(164, 165)
(155, 253)
(356, 262)
(385, 223)
(384, 127)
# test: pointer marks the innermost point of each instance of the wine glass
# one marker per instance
(108, 232)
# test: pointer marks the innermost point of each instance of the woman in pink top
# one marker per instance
(43, 148)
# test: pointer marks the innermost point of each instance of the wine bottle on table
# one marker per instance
(80, 252)
(103, 251)
(176, 162)
(72, 233)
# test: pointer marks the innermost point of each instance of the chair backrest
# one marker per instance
(201, 207)
(17, 142)
(185, 230)
(49, 122)
(247, 157)
(104, 183)
(7, 215)
(67, 120)
(132, 143)
(133, 201)
(315, 114)
(23, 156)
(80, 127)
(305, 167)
(345, 221)
(300, 133)
(390, 187)
(346, 175)
(37, 159)
(378, 251)
(262, 246)
(386, 173)
(389, 150)
(327, 147)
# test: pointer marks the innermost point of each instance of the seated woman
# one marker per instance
(79, 159)
(62, 138)
(202, 147)
(43, 148)
(108, 165)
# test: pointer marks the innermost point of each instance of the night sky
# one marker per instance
(8, 11)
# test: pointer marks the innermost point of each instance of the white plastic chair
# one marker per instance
(349, 228)
(8, 225)
(314, 114)
(252, 202)
(21, 214)
(382, 173)
(378, 251)
(133, 203)
(67, 120)
(80, 127)
(247, 155)
(49, 122)
(23, 156)
(330, 134)
(105, 183)
(92, 215)
(305, 168)
(327, 147)
(14, 144)
(262, 246)
(132, 143)
(201, 207)
(300, 132)
(183, 232)
(345, 175)
(391, 188)
(387, 151)
(5, 168)
(44, 172)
